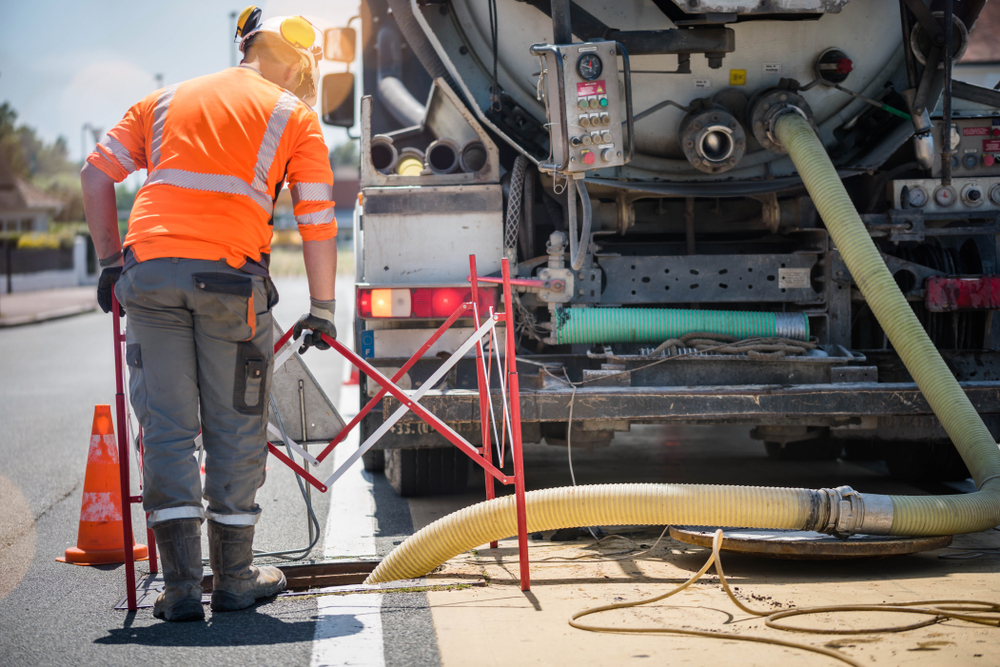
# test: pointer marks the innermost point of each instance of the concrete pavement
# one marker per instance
(43, 305)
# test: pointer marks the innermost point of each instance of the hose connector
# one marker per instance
(851, 513)
(771, 106)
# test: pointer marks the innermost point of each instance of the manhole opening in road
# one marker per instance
(807, 545)
(303, 579)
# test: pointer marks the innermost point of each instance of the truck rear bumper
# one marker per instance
(841, 404)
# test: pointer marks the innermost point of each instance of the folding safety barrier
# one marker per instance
(509, 423)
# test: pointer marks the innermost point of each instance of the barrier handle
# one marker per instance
(514, 396)
(484, 386)
(123, 476)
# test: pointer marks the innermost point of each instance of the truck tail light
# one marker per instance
(948, 294)
(391, 303)
(419, 302)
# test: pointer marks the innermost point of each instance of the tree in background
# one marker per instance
(47, 166)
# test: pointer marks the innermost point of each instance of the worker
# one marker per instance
(193, 278)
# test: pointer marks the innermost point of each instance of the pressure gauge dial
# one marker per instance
(589, 66)
(918, 196)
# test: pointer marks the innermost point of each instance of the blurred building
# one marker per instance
(23, 207)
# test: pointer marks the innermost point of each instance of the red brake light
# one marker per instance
(422, 300)
(445, 301)
(364, 303)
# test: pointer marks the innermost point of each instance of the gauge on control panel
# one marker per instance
(589, 66)
(918, 196)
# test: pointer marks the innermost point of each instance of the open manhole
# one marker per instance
(303, 578)
(807, 545)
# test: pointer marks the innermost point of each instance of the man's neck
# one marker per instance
(255, 66)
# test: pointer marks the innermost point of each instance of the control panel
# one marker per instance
(963, 196)
(586, 113)
(976, 146)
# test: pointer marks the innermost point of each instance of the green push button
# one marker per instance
(583, 104)
(604, 101)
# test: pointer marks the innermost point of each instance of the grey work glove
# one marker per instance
(320, 321)
(106, 285)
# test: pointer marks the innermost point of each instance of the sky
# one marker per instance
(66, 64)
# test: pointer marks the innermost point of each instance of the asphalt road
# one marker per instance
(57, 614)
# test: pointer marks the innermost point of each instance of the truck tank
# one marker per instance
(622, 156)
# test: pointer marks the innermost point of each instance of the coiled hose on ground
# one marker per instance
(830, 510)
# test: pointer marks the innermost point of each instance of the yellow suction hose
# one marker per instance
(927, 515)
(840, 511)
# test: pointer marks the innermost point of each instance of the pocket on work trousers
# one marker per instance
(224, 305)
(136, 381)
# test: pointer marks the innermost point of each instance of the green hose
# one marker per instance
(929, 515)
(642, 325)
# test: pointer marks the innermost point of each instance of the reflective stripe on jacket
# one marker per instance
(215, 149)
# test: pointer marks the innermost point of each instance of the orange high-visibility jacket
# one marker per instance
(216, 148)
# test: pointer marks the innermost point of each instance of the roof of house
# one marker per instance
(18, 195)
(984, 39)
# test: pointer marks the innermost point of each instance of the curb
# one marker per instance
(46, 316)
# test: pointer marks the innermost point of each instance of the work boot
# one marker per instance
(238, 582)
(179, 542)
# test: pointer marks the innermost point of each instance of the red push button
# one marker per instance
(996, 131)
(589, 157)
(988, 160)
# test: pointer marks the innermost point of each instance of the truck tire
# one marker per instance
(429, 471)
(374, 460)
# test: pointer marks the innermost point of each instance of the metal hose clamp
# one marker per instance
(852, 513)
(766, 111)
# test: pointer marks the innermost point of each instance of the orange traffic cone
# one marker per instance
(101, 538)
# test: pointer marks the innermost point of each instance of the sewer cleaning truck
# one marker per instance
(632, 161)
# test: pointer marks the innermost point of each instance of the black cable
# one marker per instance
(303, 552)
(946, 121)
(495, 90)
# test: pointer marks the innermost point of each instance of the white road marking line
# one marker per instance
(349, 627)
(350, 526)
(348, 631)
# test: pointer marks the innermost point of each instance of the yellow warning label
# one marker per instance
(737, 77)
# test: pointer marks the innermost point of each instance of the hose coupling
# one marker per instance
(771, 106)
(852, 513)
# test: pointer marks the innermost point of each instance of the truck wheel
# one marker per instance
(429, 471)
(924, 461)
(374, 460)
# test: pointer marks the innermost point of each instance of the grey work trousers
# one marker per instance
(197, 362)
